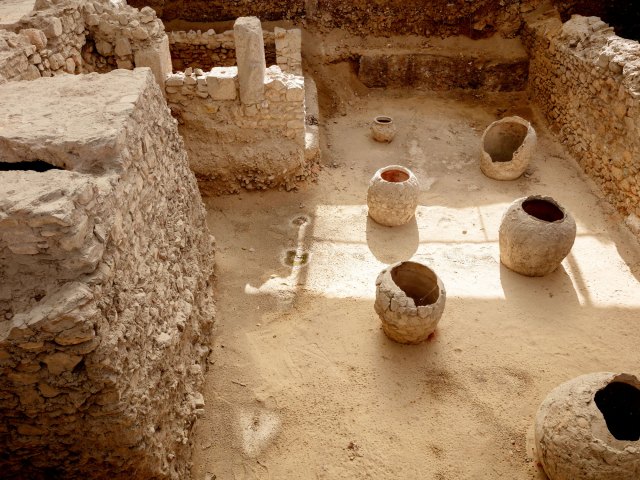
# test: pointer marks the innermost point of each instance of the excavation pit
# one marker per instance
(302, 345)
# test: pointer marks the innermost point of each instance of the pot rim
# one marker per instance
(388, 168)
(545, 198)
(379, 120)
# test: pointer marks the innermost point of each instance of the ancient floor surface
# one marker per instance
(304, 384)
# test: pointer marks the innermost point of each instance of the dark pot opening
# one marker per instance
(417, 282)
(543, 210)
(503, 139)
(619, 403)
(32, 166)
(383, 120)
(395, 176)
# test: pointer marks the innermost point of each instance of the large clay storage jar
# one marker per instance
(392, 197)
(589, 429)
(535, 235)
(410, 300)
(507, 146)
(383, 129)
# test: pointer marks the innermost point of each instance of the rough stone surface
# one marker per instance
(208, 49)
(157, 57)
(586, 82)
(105, 303)
(404, 319)
(532, 246)
(82, 36)
(393, 202)
(256, 146)
(507, 146)
(477, 19)
(250, 58)
(572, 437)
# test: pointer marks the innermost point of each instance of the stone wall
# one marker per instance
(105, 305)
(586, 81)
(205, 50)
(81, 36)
(233, 145)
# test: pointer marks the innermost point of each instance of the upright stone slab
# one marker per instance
(250, 58)
(157, 57)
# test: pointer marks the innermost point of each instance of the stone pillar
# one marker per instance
(251, 60)
(157, 57)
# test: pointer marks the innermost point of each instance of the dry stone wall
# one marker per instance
(205, 50)
(586, 81)
(257, 146)
(105, 305)
(81, 36)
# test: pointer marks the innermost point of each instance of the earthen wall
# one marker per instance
(477, 19)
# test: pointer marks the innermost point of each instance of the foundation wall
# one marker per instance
(105, 304)
(232, 145)
(586, 81)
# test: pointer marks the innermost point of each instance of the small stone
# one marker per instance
(60, 362)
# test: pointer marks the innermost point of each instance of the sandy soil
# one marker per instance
(304, 384)
(13, 10)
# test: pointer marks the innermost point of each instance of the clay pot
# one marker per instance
(410, 300)
(507, 146)
(392, 197)
(383, 129)
(588, 429)
(535, 235)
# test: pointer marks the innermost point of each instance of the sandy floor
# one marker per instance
(304, 384)
(13, 10)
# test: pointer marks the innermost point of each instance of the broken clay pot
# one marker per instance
(589, 429)
(507, 146)
(410, 300)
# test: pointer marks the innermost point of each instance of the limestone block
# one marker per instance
(104, 48)
(53, 27)
(250, 59)
(123, 47)
(36, 37)
(57, 61)
(157, 57)
(69, 65)
(221, 83)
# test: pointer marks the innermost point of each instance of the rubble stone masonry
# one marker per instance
(586, 81)
(105, 300)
